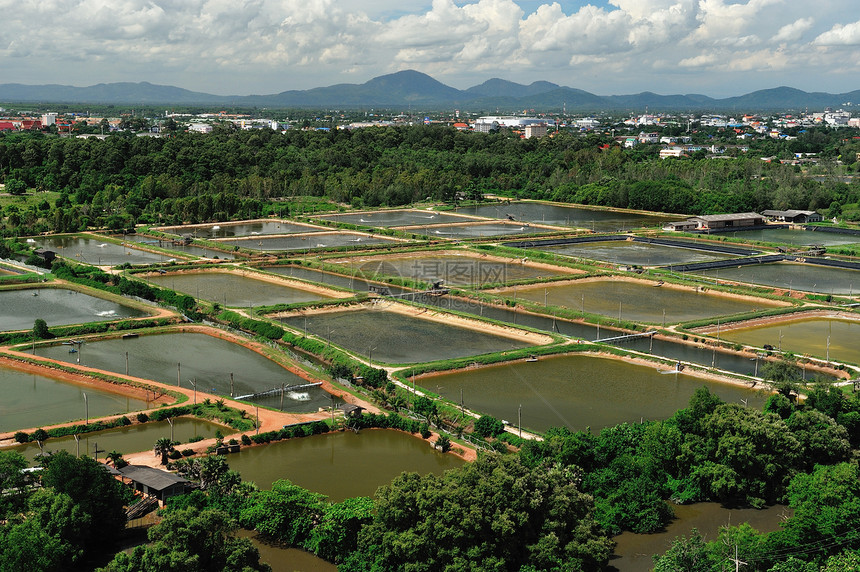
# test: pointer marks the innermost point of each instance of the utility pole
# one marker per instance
(520, 419)
(737, 561)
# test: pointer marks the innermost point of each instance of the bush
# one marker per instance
(425, 431)
(488, 426)
(444, 443)
(21, 437)
(187, 452)
(246, 440)
(196, 438)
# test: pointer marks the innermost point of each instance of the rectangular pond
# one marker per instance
(483, 230)
(560, 215)
(392, 337)
(840, 338)
(234, 290)
(352, 282)
(385, 219)
(244, 228)
(576, 391)
(637, 301)
(341, 465)
(658, 347)
(638, 253)
(791, 236)
(58, 307)
(452, 269)
(309, 241)
(182, 249)
(34, 400)
(195, 356)
(792, 276)
(99, 252)
(127, 440)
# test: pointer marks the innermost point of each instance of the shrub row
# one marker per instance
(305, 430)
(42, 434)
(261, 328)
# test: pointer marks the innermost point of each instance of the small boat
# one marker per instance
(73, 350)
(130, 335)
(532, 358)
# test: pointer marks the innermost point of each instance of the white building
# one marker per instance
(489, 122)
(536, 130)
(49, 119)
(200, 128)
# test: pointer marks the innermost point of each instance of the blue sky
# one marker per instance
(715, 47)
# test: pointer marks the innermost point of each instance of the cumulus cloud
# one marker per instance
(270, 45)
(839, 35)
(794, 31)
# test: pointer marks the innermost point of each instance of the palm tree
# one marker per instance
(162, 447)
(115, 457)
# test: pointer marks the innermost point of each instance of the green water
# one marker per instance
(58, 307)
(95, 251)
(793, 276)
(452, 269)
(806, 337)
(341, 465)
(396, 338)
(308, 241)
(201, 357)
(633, 551)
(234, 290)
(127, 440)
(350, 282)
(182, 249)
(32, 400)
(481, 230)
(638, 253)
(283, 559)
(248, 228)
(576, 391)
(634, 301)
(601, 220)
(789, 236)
(384, 219)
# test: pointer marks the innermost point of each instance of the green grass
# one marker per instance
(28, 199)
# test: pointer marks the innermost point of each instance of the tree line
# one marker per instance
(188, 177)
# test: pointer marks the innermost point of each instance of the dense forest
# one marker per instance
(551, 506)
(228, 174)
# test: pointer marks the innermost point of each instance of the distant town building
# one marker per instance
(49, 119)
(491, 122)
(535, 130)
(200, 128)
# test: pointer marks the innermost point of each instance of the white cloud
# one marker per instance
(265, 46)
(839, 35)
(794, 31)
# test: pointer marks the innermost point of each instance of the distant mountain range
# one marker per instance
(421, 92)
